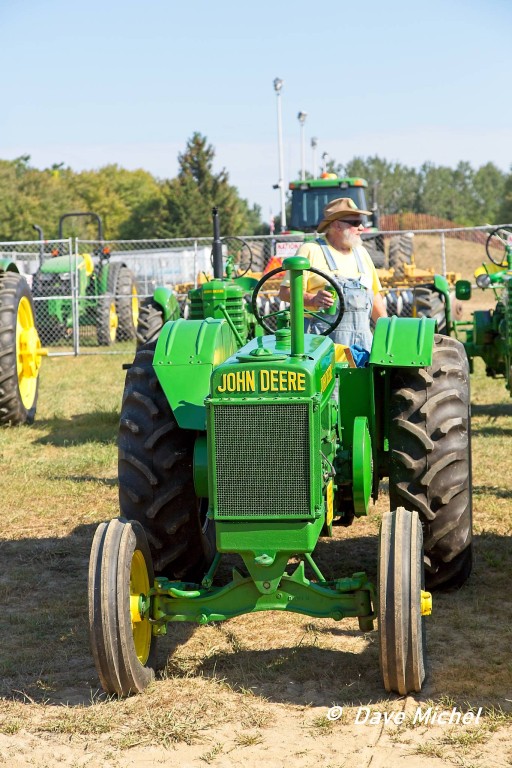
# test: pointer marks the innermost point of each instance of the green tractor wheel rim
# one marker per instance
(28, 352)
(362, 466)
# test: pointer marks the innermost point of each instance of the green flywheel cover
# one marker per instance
(362, 466)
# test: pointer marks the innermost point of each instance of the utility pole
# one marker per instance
(278, 84)
(314, 145)
(302, 119)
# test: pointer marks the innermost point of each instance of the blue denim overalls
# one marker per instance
(358, 295)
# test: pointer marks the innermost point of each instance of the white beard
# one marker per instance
(351, 239)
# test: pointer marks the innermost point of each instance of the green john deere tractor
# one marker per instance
(202, 423)
(20, 348)
(310, 197)
(223, 297)
(106, 291)
(488, 334)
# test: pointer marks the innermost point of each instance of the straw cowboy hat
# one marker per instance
(341, 208)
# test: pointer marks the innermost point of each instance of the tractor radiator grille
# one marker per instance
(262, 461)
(234, 307)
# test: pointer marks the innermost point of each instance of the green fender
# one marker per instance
(404, 342)
(442, 285)
(8, 266)
(247, 283)
(61, 265)
(166, 298)
(186, 353)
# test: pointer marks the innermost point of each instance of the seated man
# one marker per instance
(342, 255)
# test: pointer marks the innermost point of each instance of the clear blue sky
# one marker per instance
(129, 81)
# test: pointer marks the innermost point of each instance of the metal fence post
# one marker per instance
(443, 254)
(195, 263)
(75, 309)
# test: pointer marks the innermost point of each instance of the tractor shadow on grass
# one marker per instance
(491, 490)
(97, 427)
(44, 654)
(320, 662)
(493, 410)
(491, 431)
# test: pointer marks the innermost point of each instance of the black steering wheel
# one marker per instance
(237, 258)
(318, 315)
(500, 238)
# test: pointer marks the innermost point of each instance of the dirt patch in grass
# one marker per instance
(259, 686)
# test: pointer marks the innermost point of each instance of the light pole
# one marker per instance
(301, 117)
(324, 162)
(278, 84)
(314, 145)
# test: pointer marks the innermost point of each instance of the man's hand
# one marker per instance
(321, 300)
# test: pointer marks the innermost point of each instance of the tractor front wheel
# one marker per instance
(120, 577)
(399, 587)
(156, 481)
(20, 351)
(430, 467)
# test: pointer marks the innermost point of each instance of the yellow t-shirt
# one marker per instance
(346, 263)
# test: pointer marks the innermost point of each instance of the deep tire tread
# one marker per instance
(430, 467)
(400, 253)
(156, 485)
(428, 302)
(150, 323)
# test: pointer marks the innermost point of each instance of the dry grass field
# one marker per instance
(256, 688)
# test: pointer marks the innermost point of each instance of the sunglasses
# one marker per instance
(351, 222)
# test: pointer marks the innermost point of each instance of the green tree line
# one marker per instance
(463, 195)
(136, 205)
(131, 204)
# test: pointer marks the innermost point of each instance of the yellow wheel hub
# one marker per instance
(135, 306)
(139, 585)
(28, 353)
(113, 321)
(426, 603)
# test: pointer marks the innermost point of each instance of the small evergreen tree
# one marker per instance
(191, 196)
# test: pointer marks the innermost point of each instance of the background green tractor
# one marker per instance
(256, 452)
(310, 197)
(20, 348)
(406, 288)
(488, 334)
(106, 291)
(223, 297)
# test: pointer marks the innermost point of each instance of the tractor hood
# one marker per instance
(59, 265)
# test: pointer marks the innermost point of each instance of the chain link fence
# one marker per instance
(87, 293)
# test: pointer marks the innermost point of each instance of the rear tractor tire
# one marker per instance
(430, 467)
(400, 584)
(107, 321)
(400, 253)
(20, 351)
(123, 287)
(156, 484)
(120, 577)
(375, 247)
(428, 302)
(150, 321)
